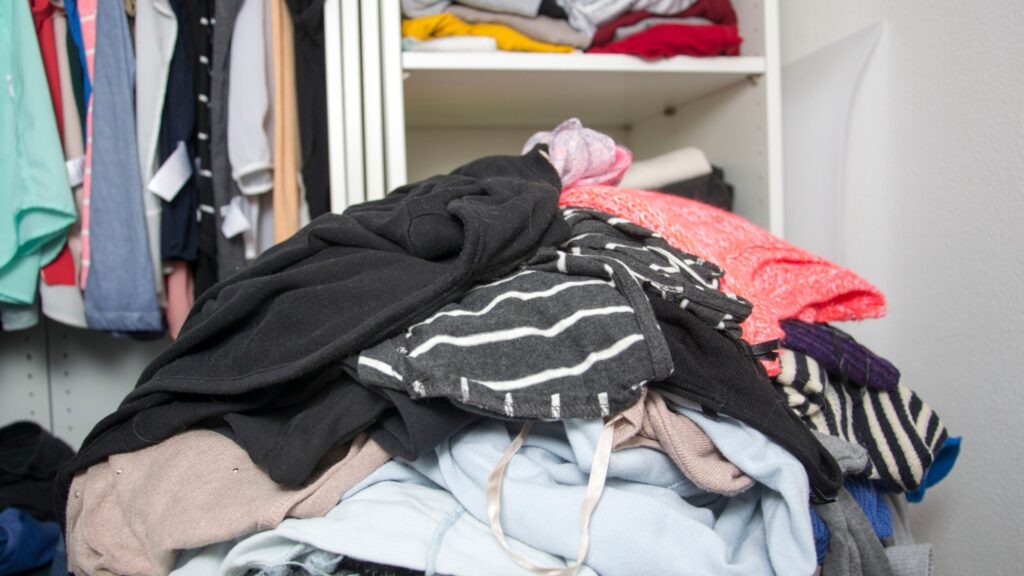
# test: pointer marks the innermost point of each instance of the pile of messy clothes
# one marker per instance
(517, 367)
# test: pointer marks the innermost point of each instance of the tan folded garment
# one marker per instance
(131, 514)
(651, 423)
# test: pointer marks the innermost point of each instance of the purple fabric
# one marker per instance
(839, 354)
(583, 156)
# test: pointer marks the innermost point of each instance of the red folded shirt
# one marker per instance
(667, 40)
(717, 11)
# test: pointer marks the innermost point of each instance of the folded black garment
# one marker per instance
(254, 345)
(718, 373)
(411, 428)
(711, 189)
(365, 568)
(29, 460)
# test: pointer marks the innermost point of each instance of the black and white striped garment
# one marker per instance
(899, 431)
(664, 271)
(572, 335)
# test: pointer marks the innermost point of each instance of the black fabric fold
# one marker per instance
(711, 189)
(29, 460)
(716, 372)
(311, 79)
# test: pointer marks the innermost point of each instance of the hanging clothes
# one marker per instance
(87, 32)
(287, 152)
(76, 50)
(59, 294)
(121, 293)
(311, 99)
(43, 13)
(179, 228)
(35, 199)
(156, 30)
(200, 34)
(61, 271)
(76, 59)
(251, 119)
(230, 214)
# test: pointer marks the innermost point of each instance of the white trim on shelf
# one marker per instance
(580, 62)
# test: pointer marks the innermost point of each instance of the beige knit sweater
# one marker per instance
(131, 514)
(651, 423)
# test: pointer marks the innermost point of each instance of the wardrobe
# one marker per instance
(397, 117)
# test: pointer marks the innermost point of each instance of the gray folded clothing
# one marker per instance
(853, 548)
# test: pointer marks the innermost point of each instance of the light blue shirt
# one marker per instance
(650, 520)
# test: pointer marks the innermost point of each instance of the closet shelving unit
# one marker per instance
(442, 109)
(395, 117)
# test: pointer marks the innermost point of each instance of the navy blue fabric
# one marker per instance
(821, 537)
(25, 543)
(179, 228)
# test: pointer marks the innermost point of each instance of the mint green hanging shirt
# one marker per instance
(36, 205)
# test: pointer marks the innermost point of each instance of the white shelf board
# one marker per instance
(505, 89)
(578, 62)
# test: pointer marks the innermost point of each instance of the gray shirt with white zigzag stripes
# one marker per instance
(572, 335)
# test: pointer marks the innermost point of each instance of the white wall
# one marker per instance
(934, 216)
(439, 150)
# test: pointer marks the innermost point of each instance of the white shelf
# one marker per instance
(579, 62)
(506, 89)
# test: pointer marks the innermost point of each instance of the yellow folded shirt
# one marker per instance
(507, 38)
